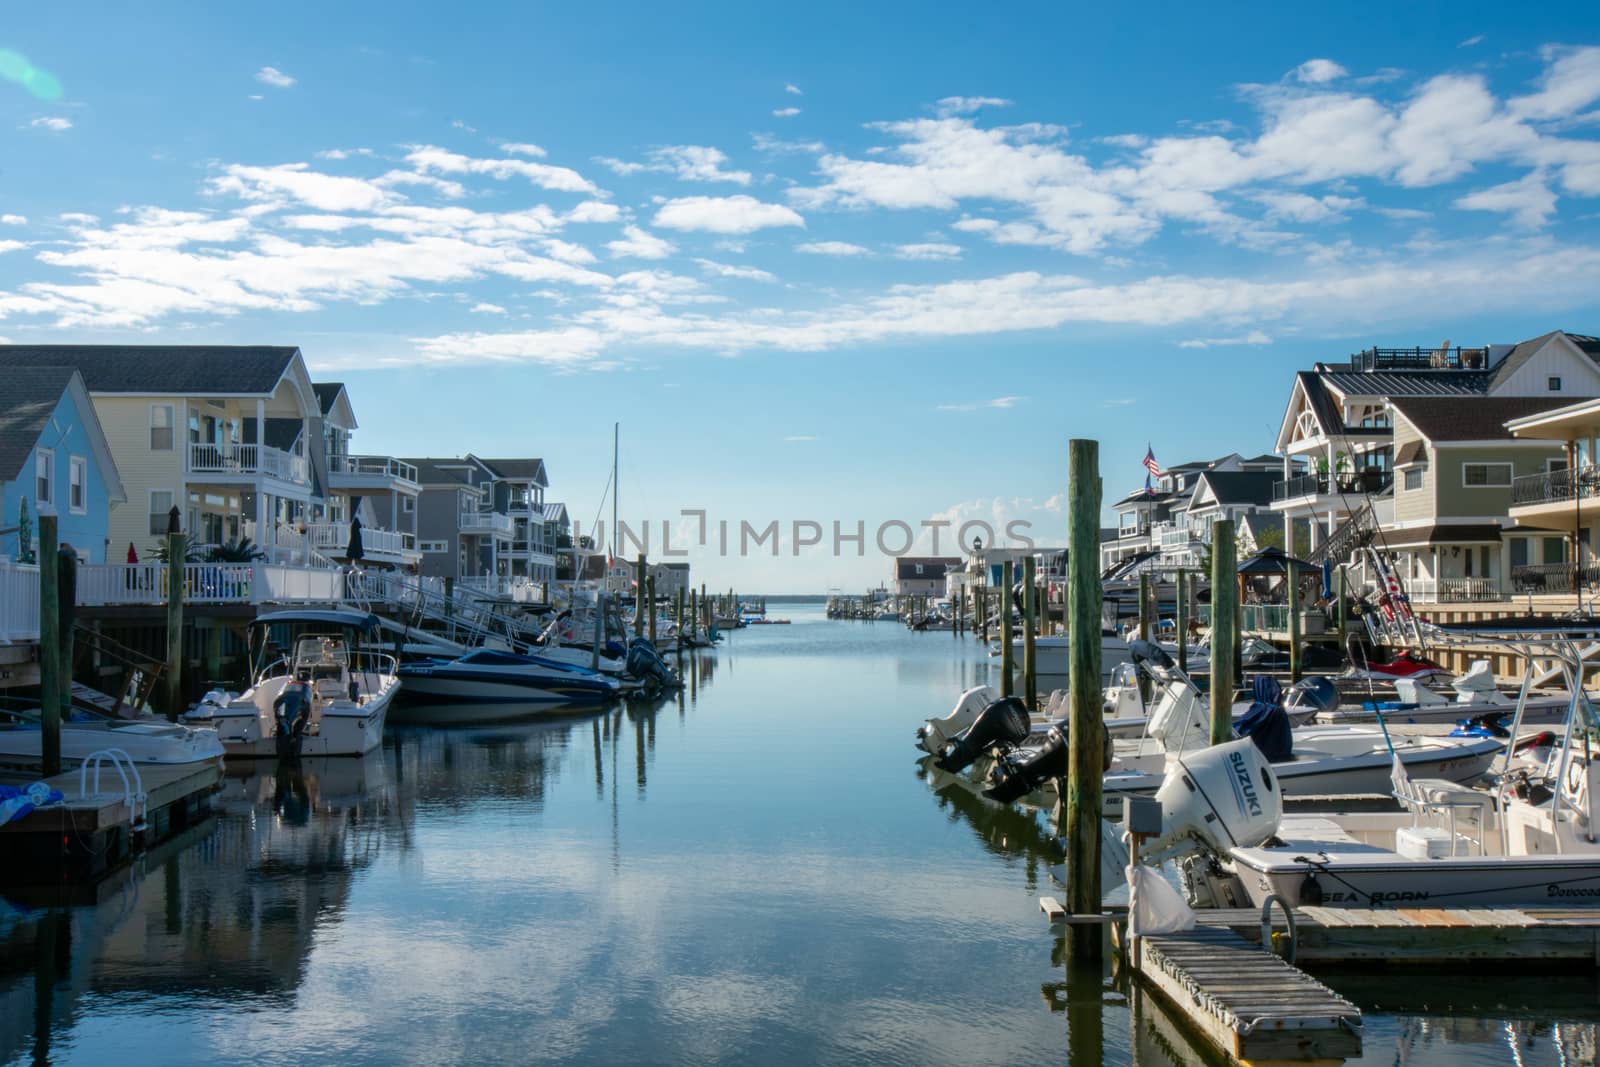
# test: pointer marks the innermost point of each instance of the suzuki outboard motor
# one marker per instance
(1013, 778)
(934, 734)
(1315, 693)
(293, 711)
(646, 664)
(1220, 798)
(1003, 722)
(1266, 723)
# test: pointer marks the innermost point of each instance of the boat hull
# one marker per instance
(247, 732)
(1354, 881)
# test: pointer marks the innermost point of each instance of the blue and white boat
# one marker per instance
(487, 684)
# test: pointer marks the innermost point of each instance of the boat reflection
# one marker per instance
(1008, 831)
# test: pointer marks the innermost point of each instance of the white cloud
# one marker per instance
(767, 143)
(563, 348)
(487, 309)
(461, 124)
(560, 179)
(792, 89)
(1298, 207)
(638, 244)
(698, 163)
(832, 248)
(1254, 337)
(53, 123)
(326, 192)
(1528, 200)
(442, 186)
(1005, 401)
(522, 149)
(1000, 402)
(274, 77)
(932, 252)
(1319, 71)
(731, 270)
(14, 220)
(255, 96)
(343, 153)
(12, 246)
(1470, 41)
(965, 105)
(1569, 83)
(724, 214)
(785, 112)
(800, 437)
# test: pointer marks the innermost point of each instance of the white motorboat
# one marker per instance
(1051, 656)
(1477, 696)
(143, 741)
(327, 697)
(487, 685)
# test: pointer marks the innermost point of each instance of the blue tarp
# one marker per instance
(1266, 723)
(18, 800)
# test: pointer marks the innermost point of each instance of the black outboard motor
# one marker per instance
(1314, 693)
(646, 664)
(1013, 778)
(293, 711)
(1266, 723)
(1003, 722)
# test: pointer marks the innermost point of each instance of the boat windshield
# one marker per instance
(320, 656)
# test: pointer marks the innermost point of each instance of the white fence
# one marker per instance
(332, 538)
(1453, 590)
(19, 602)
(205, 583)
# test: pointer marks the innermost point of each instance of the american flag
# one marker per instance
(1151, 467)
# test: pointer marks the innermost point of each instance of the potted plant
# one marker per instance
(1343, 472)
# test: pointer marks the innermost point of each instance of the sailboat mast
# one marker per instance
(616, 432)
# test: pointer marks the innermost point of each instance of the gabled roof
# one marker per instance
(555, 512)
(1406, 383)
(167, 370)
(327, 394)
(28, 399)
(439, 471)
(1483, 418)
(932, 566)
(1240, 487)
(518, 470)
(1525, 351)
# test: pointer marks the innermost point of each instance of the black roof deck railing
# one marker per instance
(1457, 358)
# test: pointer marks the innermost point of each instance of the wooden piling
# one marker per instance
(50, 704)
(638, 596)
(599, 630)
(1144, 607)
(1030, 663)
(1294, 621)
(67, 614)
(177, 548)
(1086, 729)
(1182, 620)
(1343, 621)
(1224, 627)
(650, 600)
(1006, 655)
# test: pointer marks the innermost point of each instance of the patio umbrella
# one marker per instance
(24, 534)
(1272, 560)
(353, 551)
(133, 555)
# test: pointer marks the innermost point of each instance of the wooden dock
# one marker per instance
(90, 834)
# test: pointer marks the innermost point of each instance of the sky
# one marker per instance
(842, 263)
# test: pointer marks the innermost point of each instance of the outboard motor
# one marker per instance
(1148, 652)
(646, 664)
(1266, 723)
(1314, 695)
(1012, 778)
(934, 734)
(1220, 798)
(293, 711)
(1003, 722)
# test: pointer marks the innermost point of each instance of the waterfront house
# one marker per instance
(1337, 432)
(381, 491)
(1240, 492)
(221, 432)
(518, 491)
(54, 459)
(921, 575)
(1153, 522)
(1455, 462)
(1557, 506)
(459, 532)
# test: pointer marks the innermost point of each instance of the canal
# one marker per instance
(751, 872)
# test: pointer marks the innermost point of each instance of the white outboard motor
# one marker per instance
(213, 701)
(933, 735)
(1218, 798)
(1179, 718)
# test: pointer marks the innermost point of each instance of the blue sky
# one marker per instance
(845, 262)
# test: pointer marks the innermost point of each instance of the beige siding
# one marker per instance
(126, 421)
(1459, 501)
(1415, 506)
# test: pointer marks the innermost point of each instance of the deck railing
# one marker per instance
(1555, 486)
(472, 521)
(332, 538)
(1457, 358)
(1537, 578)
(207, 583)
(19, 602)
(1453, 590)
(378, 466)
(232, 459)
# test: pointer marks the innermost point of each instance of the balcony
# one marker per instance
(524, 504)
(247, 461)
(1546, 578)
(1455, 590)
(209, 583)
(390, 546)
(484, 522)
(1360, 482)
(1404, 359)
(371, 472)
(1555, 487)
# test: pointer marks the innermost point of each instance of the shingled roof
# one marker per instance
(29, 398)
(1479, 419)
(172, 370)
(1242, 487)
(519, 469)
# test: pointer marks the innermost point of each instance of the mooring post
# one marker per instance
(1343, 590)
(1144, 633)
(599, 630)
(650, 584)
(638, 596)
(177, 547)
(1294, 622)
(693, 614)
(1006, 654)
(50, 706)
(67, 614)
(1030, 677)
(1182, 620)
(1224, 628)
(1086, 765)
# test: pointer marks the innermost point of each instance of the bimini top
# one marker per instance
(346, 617)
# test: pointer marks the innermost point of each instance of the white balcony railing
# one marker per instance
(332, 538)
(1453, 590)
(376, 467)
(19, 602)
(484, 522)
(240, 460)
(208, 583)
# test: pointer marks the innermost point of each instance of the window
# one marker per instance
(1416, 477)
(1555, 384)
(161, 430)
(44, 466)
(1485, 475)
(408, 504)
(160, 505)
(434, 546)
(78, 485)
(1519, 551)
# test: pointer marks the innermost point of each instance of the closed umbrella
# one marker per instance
(24, 534)
(353, 551)
(133, 553)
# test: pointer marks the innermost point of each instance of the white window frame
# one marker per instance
(78, 485)
(44, 472)
(171, 427)
(1553, 383)
(1486, 485)
(1420, 471)
(435, 548)
(172, 499)
(408, 504)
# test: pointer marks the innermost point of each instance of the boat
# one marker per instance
(144, 741)
(1050, 654)
(328, 696)
(1478, 698)
(488, 684)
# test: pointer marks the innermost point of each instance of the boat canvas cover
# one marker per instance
(1266, 723)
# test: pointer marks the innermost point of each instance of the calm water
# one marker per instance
(752, 874)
